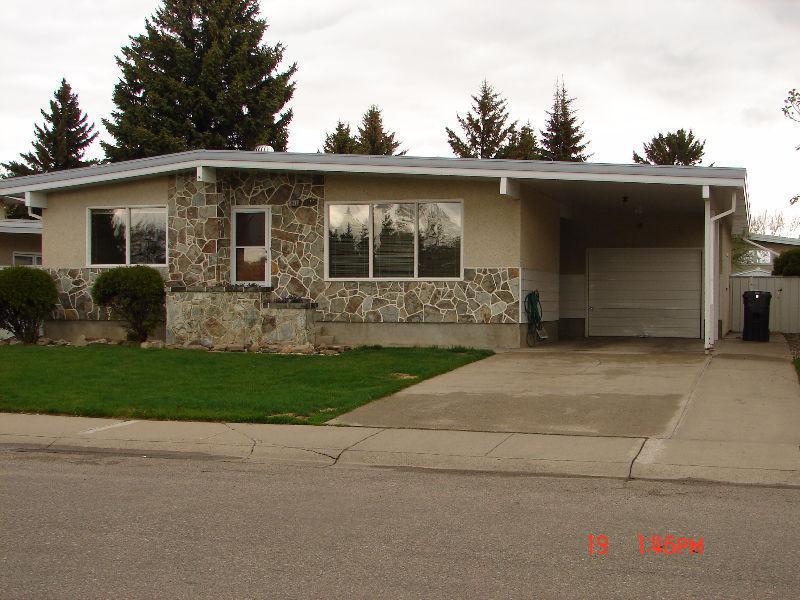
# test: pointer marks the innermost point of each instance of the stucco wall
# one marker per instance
(491, 222)
(17, 242)
(64, 219)
(597, 229)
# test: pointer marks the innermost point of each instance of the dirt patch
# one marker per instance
(793, 340)
(403, 376)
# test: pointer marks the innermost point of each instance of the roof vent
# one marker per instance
(265, 148)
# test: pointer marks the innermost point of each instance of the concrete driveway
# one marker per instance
(609, 387)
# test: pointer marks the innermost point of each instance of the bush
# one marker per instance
(787, 264)
(27, 297)
(135, 294)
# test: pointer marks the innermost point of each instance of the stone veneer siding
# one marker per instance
(228, 318)
(75, 295)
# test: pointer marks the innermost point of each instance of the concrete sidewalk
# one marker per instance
(618, 457)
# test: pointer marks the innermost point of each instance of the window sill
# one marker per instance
(392, 279)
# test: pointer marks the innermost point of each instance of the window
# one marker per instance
(394, 240)
(26, 259)
(128, 236)
(251, 244)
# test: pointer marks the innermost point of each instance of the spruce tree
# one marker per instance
(563, 138)
(372, 136)
(200, 77)
(486, 127)
(673, 148)
(522, 145)
(340, 140)
(62, 139)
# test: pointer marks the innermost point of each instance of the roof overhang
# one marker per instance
(383, 165)
(29, 226)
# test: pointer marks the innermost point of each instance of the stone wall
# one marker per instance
(75, 295)
(484, 296)
(242, 318)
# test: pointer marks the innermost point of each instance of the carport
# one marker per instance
(639, 252)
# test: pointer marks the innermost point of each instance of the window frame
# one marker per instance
(371, 204)
(127, 208)
(267, 210)
(35, 255)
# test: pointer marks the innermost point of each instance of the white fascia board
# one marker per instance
(21, 226)
(191, 164)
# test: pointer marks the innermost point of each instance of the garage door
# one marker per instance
(650, 292)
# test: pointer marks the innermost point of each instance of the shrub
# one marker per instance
(135, 294)
(788, 263)
(27, 297)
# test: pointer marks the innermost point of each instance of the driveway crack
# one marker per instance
(635, 458)
(338, 456)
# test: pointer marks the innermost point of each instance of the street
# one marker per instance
(99, 525)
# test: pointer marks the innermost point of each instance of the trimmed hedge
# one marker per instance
(787, 264)
(135, 294)
(27, 297)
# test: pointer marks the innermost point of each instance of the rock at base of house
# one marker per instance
(152, 345)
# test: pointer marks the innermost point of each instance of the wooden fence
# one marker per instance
(784, 313)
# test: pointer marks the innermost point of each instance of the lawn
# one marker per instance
(128, 382)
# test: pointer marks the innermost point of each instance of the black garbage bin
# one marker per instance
(756, 316)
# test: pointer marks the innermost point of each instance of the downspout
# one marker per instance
(730, 211)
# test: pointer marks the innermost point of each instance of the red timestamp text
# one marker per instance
(651, 544)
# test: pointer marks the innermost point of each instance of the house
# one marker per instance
(771, 246)
(20, 239)
(396, 250)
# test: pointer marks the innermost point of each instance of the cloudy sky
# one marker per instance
(720, 67)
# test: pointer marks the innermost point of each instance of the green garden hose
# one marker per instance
(533, 310)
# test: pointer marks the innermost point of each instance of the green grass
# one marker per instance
(128, 382)
(797, 365)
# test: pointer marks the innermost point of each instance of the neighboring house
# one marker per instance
(20, 239)
(772, 245)
(396, 250)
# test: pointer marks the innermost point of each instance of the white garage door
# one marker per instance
(652, 292)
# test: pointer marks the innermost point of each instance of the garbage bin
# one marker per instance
(756, 316)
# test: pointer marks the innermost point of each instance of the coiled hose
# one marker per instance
(533, 310)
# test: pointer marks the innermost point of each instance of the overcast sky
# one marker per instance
(720, 67)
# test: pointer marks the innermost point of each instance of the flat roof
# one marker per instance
(386, 165)
(33, 226)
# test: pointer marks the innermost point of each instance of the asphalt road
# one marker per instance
(101, 526)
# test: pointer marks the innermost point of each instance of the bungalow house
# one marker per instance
(20, 239)
(395, 250)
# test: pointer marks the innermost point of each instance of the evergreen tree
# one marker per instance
(62, 139)
(563, 139)
(200, 77)
(522, 145)
(373, 138)
(486, 127)
(673, 148)
(340, 140)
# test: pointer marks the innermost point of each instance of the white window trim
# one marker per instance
(267, 210)
(35, 255)
(416, 203)
(127, 208)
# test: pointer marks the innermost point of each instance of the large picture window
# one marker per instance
(128, 236)
(403, 240)
(251, 243)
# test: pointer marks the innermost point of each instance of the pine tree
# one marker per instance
(373, 138)
(62, 139)
(486, 127)
(673, 148)
(200, 77)
(522, 145)
(563, 139)
(340, 140)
